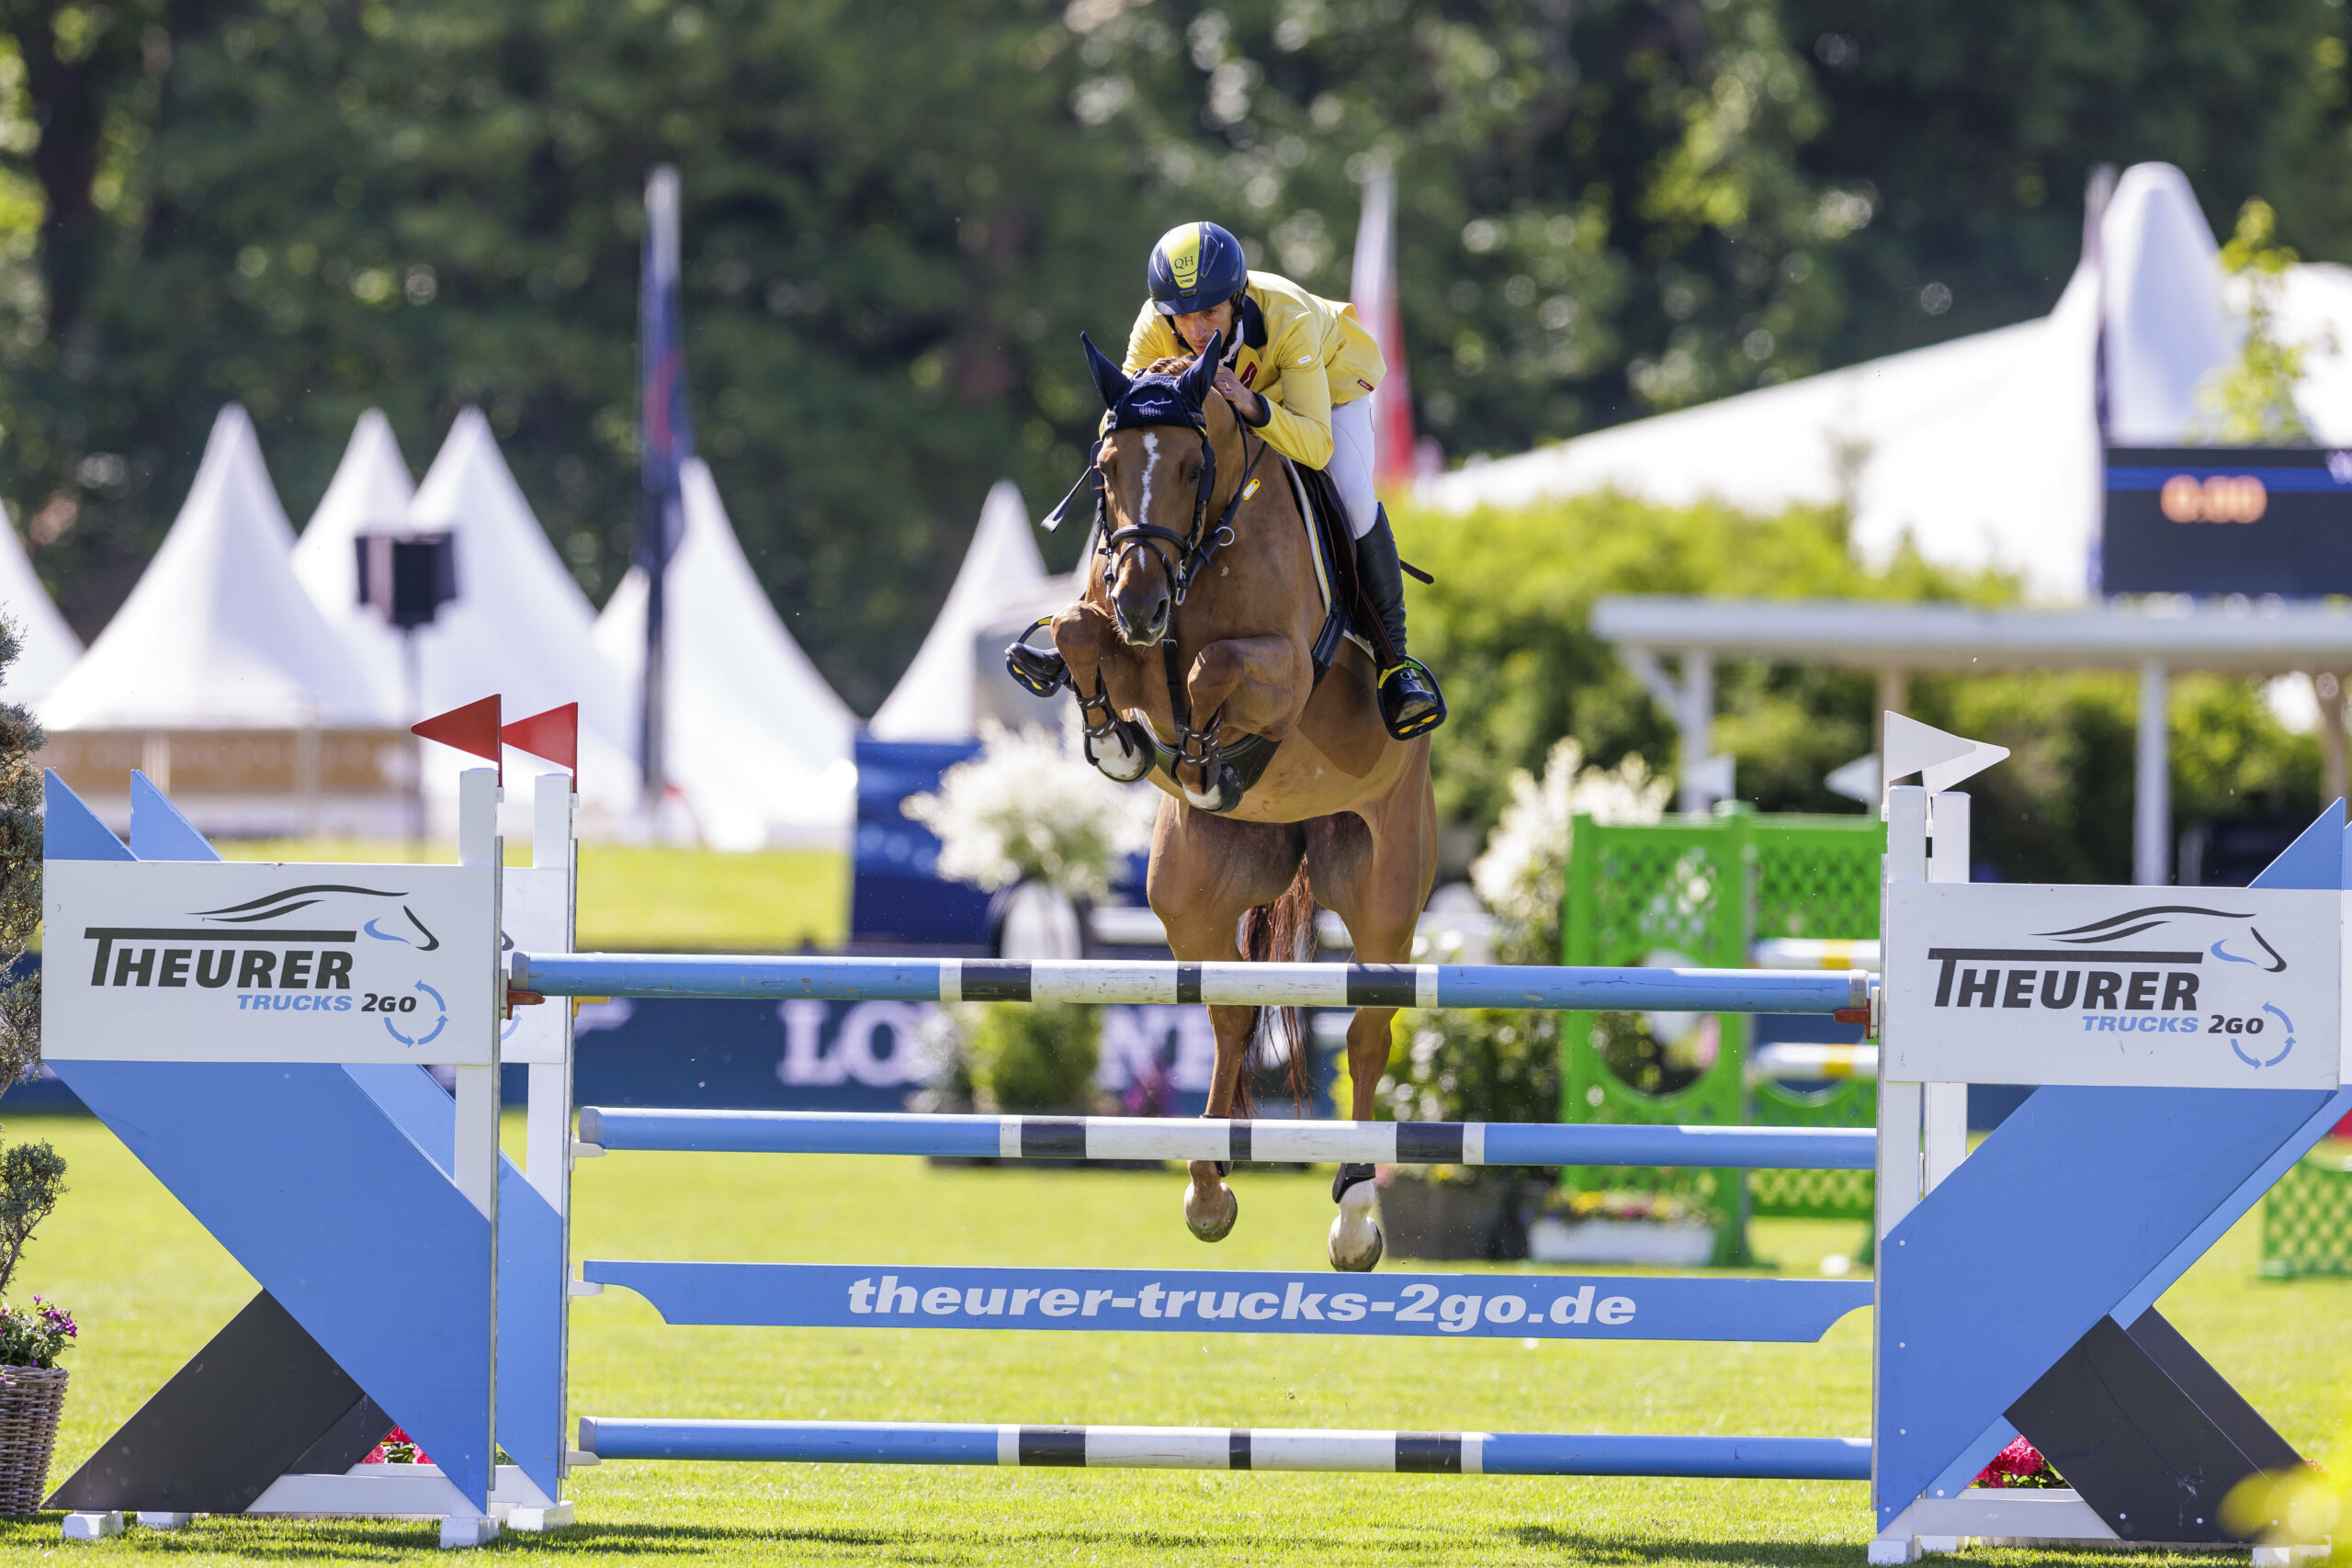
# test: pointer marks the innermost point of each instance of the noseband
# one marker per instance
(1183, 555)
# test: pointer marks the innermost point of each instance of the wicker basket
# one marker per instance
(30, 1398)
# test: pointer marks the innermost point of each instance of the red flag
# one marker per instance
(554, 734)
(473, 729)
(1374, 286)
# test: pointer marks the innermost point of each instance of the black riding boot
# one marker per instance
(1410, 702)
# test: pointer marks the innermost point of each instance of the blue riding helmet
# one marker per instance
(1195, 266)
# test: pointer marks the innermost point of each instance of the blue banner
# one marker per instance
(1217, 1300)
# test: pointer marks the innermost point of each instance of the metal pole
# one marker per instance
(2151, 781)
(1095, 980)
(1697, 720)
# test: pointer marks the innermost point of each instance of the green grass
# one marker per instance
(639, 898)
(150, 1287)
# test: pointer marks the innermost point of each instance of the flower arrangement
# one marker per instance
(2019, 1464)
(397, 1448)
(1523, 875)
(35, 1336)
(1028, 810)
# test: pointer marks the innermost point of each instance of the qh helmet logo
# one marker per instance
(317, 948)
(2140, 971)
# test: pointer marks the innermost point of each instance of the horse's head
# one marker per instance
(1158, 469)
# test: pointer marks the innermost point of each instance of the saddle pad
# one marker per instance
(1332, 550)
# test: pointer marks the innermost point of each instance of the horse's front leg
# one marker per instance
(1085, 638)
(1206, 871)
(1246, 683)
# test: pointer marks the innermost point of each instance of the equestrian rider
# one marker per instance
(1300, 371)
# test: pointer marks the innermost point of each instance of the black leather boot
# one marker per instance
(1410, 702)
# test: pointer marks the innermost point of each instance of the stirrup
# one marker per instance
(1040, 672)
(1402, 726)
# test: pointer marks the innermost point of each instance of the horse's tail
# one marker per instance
(1282, 932)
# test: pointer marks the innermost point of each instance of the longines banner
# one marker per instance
(208, 962)
(2202, 987)
(2209, 520)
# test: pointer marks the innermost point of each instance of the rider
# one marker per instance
(1300, 371)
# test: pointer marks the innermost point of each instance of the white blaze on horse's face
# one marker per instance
(1142, 606)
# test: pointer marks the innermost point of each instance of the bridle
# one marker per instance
(1183, 555)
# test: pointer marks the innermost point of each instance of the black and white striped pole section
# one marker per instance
(760, 978)
(1237, 1448)
(1188, 1138)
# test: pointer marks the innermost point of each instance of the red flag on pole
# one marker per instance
(1374, 287)
(554, 734)
(472, 728)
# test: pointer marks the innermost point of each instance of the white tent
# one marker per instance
(934, 700)
(520, 627)
(370, 494)
(48, 646)
(757, 741)
(219, 633)
(1985, 449)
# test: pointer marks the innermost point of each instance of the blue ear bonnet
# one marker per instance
(1138, 400)
(1154, 400)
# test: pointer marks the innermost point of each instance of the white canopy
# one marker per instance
(218, 634)
(934, 700)
(757, 741)
(370, 494)
(48, 646)
(1985, 449)
(519, 626)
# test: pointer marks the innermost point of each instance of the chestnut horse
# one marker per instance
(1191, 655)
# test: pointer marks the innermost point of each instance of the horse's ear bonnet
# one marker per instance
(1147, 399)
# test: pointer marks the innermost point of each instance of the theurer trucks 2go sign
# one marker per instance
(206, 961)
(2193, 987)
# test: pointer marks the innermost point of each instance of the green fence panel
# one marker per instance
(2307, 1218)
(1704, 892)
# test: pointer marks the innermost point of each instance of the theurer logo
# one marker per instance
(324, 947)
(2134, 972)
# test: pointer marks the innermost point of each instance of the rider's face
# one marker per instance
(1197, 328)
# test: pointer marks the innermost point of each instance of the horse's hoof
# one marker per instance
(1211, 1221)
(1212, 802)
(1356, 1244)
(1121, 761)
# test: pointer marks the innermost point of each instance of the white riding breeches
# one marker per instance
(1350, 466)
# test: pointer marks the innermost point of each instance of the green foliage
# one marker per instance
(20, 855)
(1972, 131)
(34, 1336)
(32, 1179)
(1470, 1064)
(1034, 1056)
(1506, 625)
(2252, 401)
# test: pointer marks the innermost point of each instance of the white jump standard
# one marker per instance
(2163, 1113)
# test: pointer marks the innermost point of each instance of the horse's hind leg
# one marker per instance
(1206, 872)
(1376, 881)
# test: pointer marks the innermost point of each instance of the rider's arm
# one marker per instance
(1151, 338)
(1299, 406)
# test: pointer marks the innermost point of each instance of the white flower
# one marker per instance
(1026, 809)
(1522, 876)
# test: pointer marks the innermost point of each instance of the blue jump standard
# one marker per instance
(1221, 1301)
(1173, 1138)
(1230, 985)
(1237, 1448)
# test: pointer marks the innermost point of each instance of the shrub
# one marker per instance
(1034, 1056)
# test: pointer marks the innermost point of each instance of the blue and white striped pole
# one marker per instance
(1232, 985)
(1237, 1447)
(1188, 1138)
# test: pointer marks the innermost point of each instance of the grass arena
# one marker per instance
(758, 1274)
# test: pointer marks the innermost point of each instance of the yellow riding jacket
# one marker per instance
(1304, 355)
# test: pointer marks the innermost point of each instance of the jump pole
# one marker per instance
(1987, 1311)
